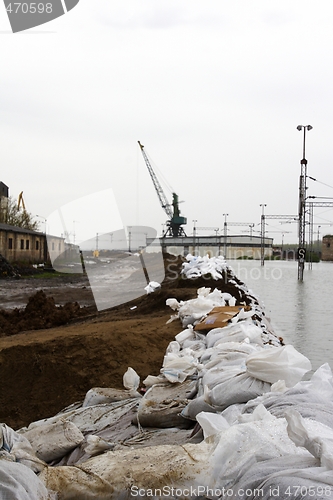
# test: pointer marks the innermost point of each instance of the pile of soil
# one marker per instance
(7, 270)
(43, 371)
(40, 312)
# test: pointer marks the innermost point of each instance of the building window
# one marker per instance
(27, 244)
(37, 245)
(10, 243)
(59, 247)
(52, 245)
(22, 244)
(328, 245)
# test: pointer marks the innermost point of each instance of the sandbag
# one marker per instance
(53, 441)
(312, 398)
(242, 445)
(14, 446)
(131, 379)
(196, 406)
(18, 482)
(120, 474)
(100, 395)
(284, 478)
(92, 418)
(177, 367)
(316, 437)
(162, 405)
(278, 363)
(235, 388)
(211, 423)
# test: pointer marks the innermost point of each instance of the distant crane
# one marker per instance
(20, 201)
(176, 221)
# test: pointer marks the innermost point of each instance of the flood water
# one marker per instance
(300, 311)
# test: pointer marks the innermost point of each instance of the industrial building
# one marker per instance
(18, 244)
(327, 248)
(24, 245)
(232, 247)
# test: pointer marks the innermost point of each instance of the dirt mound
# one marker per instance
(7, 270)
(40, 312)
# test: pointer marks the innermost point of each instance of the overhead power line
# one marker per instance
(316, 180)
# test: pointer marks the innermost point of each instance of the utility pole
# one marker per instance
(194, 233)
(262, 233)
(301, 207)
(129, 238)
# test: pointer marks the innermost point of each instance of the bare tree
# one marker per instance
(19, 217)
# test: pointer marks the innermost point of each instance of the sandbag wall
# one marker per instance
(228, 416)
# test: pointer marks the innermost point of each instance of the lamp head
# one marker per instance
(299, 127)
(309, 127)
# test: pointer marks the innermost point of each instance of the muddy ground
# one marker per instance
(51, 354)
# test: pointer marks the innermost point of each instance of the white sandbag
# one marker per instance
(185, 335)
(291, 476)
(18, 482)
(321, 381)
(242, 445)
(309, 403)
(260, 413)
(316, 437)
(131, 379)
(201, 266)
(235, 388)
(196, 406)
(14, 446)
(152, 380)
(176, 368)
(152, 287)
(198, 347)
(218, 373)
(211, 423)
(193, 310)
(235, 333)
(173, 346)
(53, 441)
(278, 363)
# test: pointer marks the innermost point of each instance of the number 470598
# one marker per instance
(32, 8)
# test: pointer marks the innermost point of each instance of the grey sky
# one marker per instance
(214, 90)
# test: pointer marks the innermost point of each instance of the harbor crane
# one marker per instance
(20, 201)
(176, 221)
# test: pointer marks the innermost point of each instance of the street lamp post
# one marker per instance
(225, 235)
(301, 207)
(262, 234)
(194, 233)
(318, 244)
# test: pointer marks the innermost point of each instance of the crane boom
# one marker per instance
(176, 221)
(160, 193)
(20, 201)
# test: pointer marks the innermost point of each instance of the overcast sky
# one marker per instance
(214, 90)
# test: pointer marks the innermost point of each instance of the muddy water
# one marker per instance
(301, 312)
